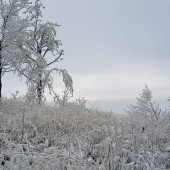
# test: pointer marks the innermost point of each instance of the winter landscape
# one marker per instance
(66, 133)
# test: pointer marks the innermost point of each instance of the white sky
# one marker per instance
(112, 49)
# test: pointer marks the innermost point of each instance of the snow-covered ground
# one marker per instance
(73, 137)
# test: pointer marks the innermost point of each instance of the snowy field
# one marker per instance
(72, 137)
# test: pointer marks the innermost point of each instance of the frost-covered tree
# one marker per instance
(39, 41)
(11, 28)
(146, 106)
(146, 114)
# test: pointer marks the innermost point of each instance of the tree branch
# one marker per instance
(56, 60)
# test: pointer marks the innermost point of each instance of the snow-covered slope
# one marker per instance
(76, 138)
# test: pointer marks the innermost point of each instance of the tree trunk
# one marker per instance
(39, 90)
(0, 81)
(0, 70)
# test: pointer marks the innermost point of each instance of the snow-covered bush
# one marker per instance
(75, 137)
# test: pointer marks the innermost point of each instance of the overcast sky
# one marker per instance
(112, 49)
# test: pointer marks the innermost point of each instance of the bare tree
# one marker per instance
(40, 40)
(11, 28)
(146, 106)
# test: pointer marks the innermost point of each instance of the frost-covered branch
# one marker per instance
(39, 41)
(12, 27)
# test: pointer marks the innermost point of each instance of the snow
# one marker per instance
(66, 135)
(74, 137)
